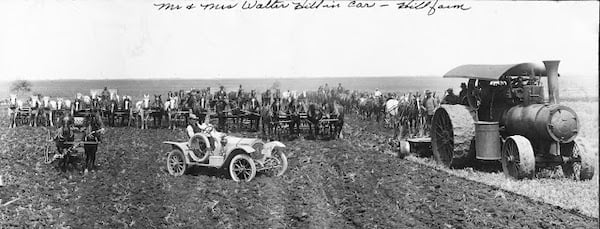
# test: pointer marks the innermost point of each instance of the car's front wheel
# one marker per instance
(276, 164)
(242, 168)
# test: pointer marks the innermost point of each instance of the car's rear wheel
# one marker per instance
(176, 163)
(242, 168)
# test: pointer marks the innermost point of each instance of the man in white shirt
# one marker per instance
(377, 92)
(214, 137)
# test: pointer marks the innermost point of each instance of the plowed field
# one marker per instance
(344, 183)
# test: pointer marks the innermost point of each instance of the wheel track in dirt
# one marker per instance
(308, 205)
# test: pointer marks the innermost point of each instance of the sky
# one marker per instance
(75, 39)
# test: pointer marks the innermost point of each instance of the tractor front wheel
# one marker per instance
(583, 170)
(518, 160)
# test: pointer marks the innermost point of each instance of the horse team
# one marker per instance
(272, 112)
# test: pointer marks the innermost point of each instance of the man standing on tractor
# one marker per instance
(428, 105)
(450, 98)
(462, 95)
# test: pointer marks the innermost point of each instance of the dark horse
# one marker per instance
(293, 113)
(314, 116)
(157, 111)
(266, 119)
(337, 112)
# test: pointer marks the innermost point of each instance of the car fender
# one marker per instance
(246, 148)
(229, 155)
(269, 146)
(179, 146)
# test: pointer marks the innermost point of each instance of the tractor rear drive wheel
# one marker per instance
(242, 168)
(452, 135)
(176, 163)
(583, 170)
(518, 159)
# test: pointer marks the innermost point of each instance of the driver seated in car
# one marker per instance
(206, 128)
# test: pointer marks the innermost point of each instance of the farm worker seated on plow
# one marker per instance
(450, 98)
(214, 136)
(93, 130)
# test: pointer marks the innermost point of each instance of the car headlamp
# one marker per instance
(258, 147)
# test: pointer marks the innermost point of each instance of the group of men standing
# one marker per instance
(430, 103)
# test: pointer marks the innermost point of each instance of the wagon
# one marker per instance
(242, 157)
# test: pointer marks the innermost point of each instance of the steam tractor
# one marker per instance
(505, 117)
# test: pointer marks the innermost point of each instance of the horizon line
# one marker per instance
(247, 78)
(225, 78)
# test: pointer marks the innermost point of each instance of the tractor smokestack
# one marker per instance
(552, 72)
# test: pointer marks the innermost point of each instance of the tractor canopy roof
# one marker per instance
(495, 72)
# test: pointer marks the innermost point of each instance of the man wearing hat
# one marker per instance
(450, 98)
(462, 95)
(428, 104)
(213, 136)
(221, 94)
(193, 126)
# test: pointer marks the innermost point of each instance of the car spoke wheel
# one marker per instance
(176, 163)
(277, 164)
(242, 168)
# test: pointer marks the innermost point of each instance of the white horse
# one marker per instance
(77, 104)
(34, 105)
(141, 108)
(171, 107)
(13, 110)
(49, 108)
